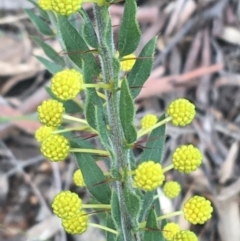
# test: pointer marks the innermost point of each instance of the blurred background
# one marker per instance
(197, 57)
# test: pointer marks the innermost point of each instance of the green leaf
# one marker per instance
(93, 176)
(116, 215)
(126, 110)
(155, 145)
(129, 33)
(110, 224)
(50, 66)
(132, 202)
(102, 128)
(42, 26)
(147, 202)
(88, 30)
(42, 12)
(70, 106)
(92, 99)
(142, 68)
(49, 51)
(109, 34)
(157, 206)
(76, 46)
(152, 233)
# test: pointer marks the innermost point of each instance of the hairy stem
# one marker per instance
(120, 154)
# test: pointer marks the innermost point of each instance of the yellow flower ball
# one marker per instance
(78, 178)
(170, 230)
(127, 62)
(55, 148)
(45, 4)
(66, 7)
(186, 158)
(67, 84)
(66, 205)
(182, 112)
(77, 224)
(197, 210)
(185, 235)
(171, 189)
(43, 132)
(148, 176)
(148, 121)
(50, 112)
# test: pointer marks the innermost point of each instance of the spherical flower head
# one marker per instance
(186, 158)
(171, 189)
(170, 230)
(50, 112)
(148, 121)
(197, 210)
(67, 84)
(55, 148)
(127, 62)
(66, 7)
(182, 112)
(78, 178)
(66, 205)
(43, 132)
(185, 235)
(148, 176)
(45, 4)
(77, 224)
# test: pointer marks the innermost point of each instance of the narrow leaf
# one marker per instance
(116, 215)
(127, 112)
(42, 12)
(110, 224)
(93, 176)
(102, 127)
(49, 51)
(129, 33)
(92, 99)
(42, 26)
(76, 46)
(88, 30)
(132, 204)
(152, 232)
(50, 66)
(147, 202)
(155, 145)
(142, 68)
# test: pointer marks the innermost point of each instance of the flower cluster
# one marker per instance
(197, 210)
(171, 189)
(181, 111)
(55, 148)
(67, 84)
(78, 178)
(187, 158)
(149, 175)
(67, 206)
(148, 121)
(65, 7)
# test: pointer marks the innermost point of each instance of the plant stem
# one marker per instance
(165, 169)
(143, 224)
(102, 206)
(102, 227)
(119, 154)
(93, 151)
(72, 118)
(144, 132)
